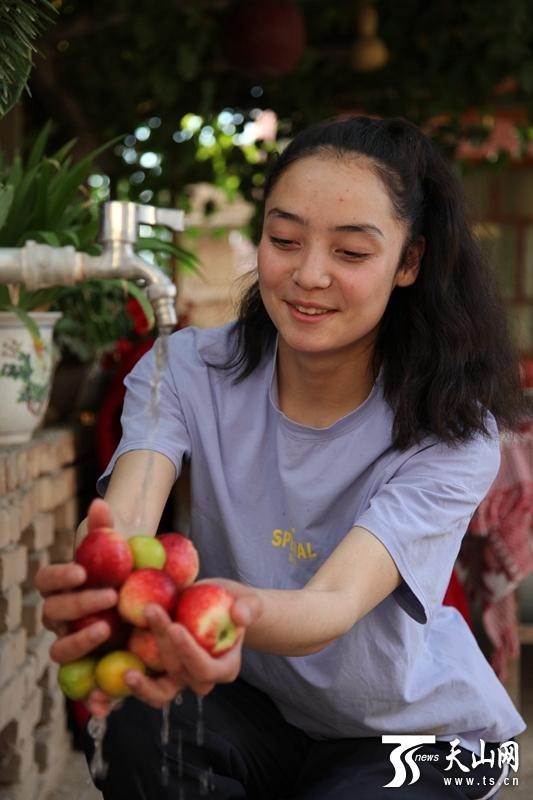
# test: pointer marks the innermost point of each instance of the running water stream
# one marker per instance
(165, 737)
(97, 727)
(160, 349)
(206, 778)
(200, 721)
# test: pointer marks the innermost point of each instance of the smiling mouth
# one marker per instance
(311, 311)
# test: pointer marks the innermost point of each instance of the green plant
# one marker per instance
(21, 21)
(47, 199)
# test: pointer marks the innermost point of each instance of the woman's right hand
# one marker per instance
(65, 600)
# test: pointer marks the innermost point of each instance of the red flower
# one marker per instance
(141, 324)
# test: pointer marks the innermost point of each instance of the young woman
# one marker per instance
(341, 434)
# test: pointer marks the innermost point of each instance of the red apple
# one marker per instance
(144, 645)
(118, 628)
(142, 587)
(182, 562)
(106, 556)
(204, 609)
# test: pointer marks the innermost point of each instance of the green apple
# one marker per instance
(147, 551)
(77, 679)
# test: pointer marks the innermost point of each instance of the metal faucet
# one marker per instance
(38, 266)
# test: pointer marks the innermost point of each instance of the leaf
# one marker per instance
(37, 150)
(46, 237)
(139, 294)
(61, 154)
(15, 171)
(5, 300)
(31, 326)
(6, 198)
(12, 90)
(186, 258)
(66, 189)
(32, 299)
(20, 23)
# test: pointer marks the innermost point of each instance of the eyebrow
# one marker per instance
(363, 227)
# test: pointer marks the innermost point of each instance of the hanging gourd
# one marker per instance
(369, 51)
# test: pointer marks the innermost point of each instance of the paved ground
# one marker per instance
(77, 784)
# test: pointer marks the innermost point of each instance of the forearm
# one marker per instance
(136, 494)
(357, 576)
(297, 622)
(138, 490)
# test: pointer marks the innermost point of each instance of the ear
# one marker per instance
(410, 267)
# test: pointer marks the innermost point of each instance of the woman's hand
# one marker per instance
(187, 665)
(63, 604)
(65, 601)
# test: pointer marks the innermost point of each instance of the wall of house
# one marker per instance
(38, 514)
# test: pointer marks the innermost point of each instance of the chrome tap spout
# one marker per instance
(120, 261)
(38, 266)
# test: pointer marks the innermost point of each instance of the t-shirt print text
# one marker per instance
(295, 550)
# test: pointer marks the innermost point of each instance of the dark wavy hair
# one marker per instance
(443, 343)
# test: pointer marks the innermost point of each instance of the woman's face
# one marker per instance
(329, 256)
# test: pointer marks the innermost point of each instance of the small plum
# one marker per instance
(204, 609)
(106, 557)
(182, 562)
(147, 551)
(142, 587)
(117, 626)
(110, 671)
(77, 679)
(144, 645)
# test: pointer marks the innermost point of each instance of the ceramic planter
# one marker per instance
(25, 375)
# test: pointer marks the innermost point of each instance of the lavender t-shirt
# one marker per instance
(272, 498)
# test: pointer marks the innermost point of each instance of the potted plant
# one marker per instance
(46, 199)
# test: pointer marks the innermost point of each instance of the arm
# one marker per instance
(358, 575)
(60, 583)
(139, 476)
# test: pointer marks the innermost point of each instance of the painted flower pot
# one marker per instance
(26, 370)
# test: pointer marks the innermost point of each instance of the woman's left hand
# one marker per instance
(187, 664)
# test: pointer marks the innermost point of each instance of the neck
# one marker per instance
(317, 390)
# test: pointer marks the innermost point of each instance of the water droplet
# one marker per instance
(96, 728)
(203, 780)
(200, 721)
(180, 754)
(165, 725)
(181, 790)
(165, 736)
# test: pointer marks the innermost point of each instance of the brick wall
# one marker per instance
(38, 515)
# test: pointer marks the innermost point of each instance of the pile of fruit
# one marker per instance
(144, 570)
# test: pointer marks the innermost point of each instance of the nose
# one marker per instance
(312, 271)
